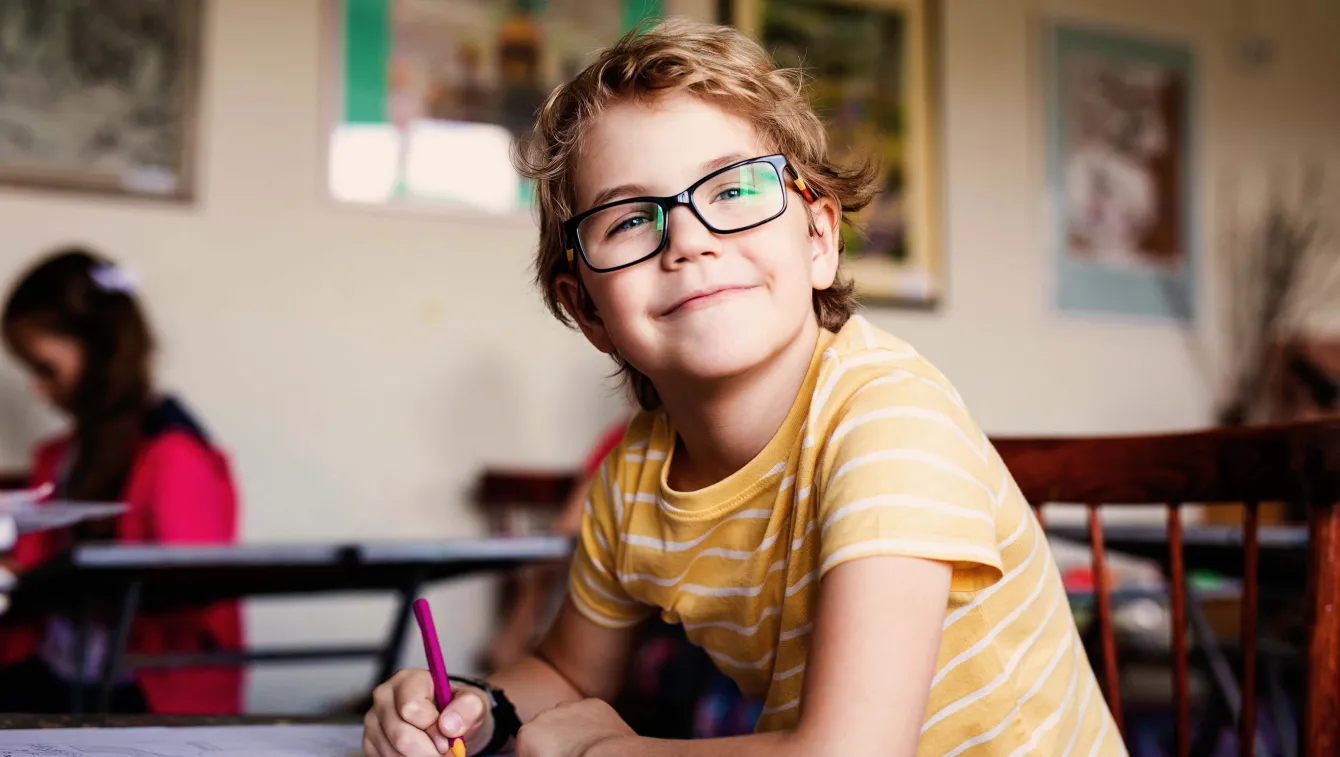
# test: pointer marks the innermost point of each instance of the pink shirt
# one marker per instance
(180, 491)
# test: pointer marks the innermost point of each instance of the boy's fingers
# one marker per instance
(463, 715)
(442, 743)
(408, 741)
(370, 749)
(375, 743)
(414, 701)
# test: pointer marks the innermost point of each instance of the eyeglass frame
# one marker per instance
(670, 202)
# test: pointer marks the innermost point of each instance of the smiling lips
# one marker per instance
(703, 298)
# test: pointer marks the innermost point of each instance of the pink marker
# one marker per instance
(437, 668)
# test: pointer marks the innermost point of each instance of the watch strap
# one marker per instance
(506, 722)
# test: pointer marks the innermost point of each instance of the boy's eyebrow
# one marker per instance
(634, 190)
(723, 161)
(623, 190)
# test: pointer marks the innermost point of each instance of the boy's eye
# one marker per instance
(733, 193)
(628, 224)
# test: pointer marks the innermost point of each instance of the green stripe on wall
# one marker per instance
(367, 48)
(636, 10)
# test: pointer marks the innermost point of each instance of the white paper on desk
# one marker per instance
(31, 517)
(9, 533)
(22, 497)
(214, 741)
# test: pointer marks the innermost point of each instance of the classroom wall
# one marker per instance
(363, 366)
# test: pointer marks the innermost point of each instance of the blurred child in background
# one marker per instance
(73, 322)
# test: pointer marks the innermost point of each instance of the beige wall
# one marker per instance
(363, 366)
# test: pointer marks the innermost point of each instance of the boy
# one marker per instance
(803, 492)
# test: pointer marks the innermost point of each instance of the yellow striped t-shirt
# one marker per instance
(877, 456)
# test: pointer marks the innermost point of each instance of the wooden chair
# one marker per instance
(1290, 463)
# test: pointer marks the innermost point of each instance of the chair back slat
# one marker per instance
(1102, 593)
(1321, 718)
(1294, 463)
(1251, 535)
(1181, 674)
(1223, 465)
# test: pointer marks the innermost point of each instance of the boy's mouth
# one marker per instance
(704, 298)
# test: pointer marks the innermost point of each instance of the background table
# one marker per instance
(122, 581)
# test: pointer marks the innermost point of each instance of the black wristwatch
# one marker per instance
(506, 723)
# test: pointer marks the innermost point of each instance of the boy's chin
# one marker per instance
(723, 360)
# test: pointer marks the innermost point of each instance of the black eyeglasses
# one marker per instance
(736, 198)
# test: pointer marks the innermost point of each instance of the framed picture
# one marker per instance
(429, 95)
(100, 96)
(874, 82)
(1121, 169)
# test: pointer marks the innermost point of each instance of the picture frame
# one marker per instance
(1121, 168)
(101, 97)
(875, 81)
(424, 92)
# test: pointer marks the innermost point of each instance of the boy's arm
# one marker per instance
(875, 646)
(577, 659)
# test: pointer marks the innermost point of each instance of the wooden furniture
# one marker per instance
(1292, 462)
(522, 502)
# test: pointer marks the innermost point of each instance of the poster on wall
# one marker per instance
(432, 94)
(1121, 170)
(100, 97)
(871, 65)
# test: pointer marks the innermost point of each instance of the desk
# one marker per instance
(12, 721)
(129, 579)
(178, 737)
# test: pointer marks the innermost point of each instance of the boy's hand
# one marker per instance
(570, 730)
(404, 721)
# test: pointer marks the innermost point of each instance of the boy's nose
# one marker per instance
(689, 239)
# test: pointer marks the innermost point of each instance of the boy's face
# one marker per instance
(709, 306)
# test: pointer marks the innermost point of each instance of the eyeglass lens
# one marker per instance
(727, 201)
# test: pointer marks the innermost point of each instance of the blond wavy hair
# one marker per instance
(719, 65)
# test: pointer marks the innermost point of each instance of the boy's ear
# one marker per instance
(583, 312)
(825, 227)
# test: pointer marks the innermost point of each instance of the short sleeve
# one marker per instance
(593, 583)
(905, 471)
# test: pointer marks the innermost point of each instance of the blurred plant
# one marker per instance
(1278, 272)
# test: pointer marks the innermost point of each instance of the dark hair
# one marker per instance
(75, 294)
